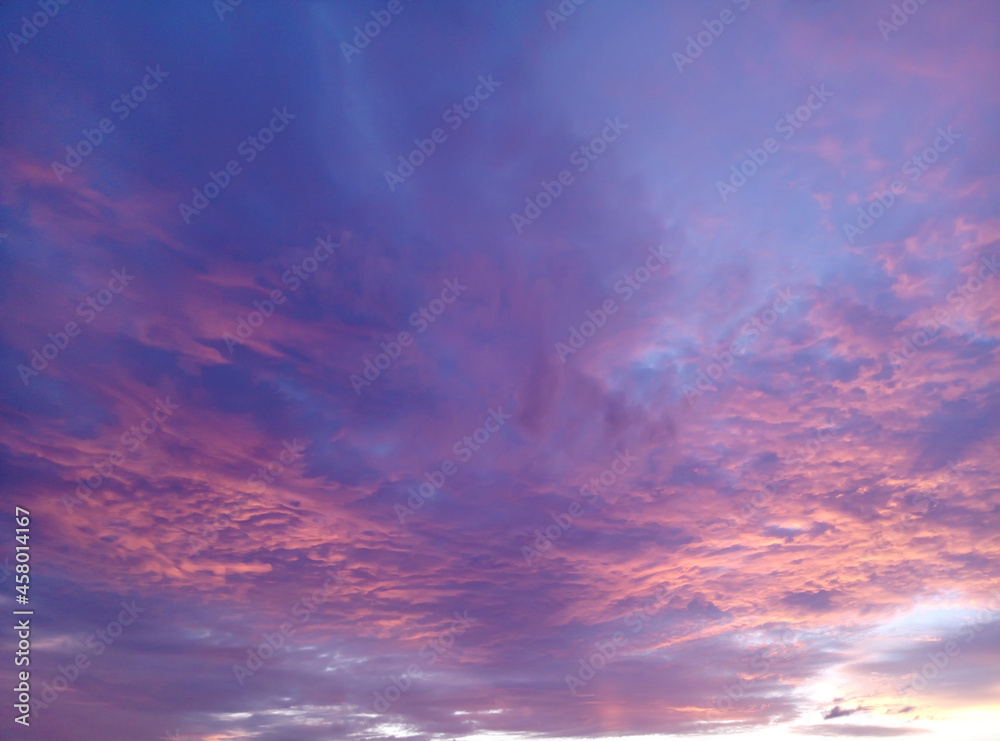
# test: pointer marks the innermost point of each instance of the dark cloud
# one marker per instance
(859, 731)
(838, 712)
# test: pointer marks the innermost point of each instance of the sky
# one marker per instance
(515, 370)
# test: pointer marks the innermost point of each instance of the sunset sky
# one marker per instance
(441, 370)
